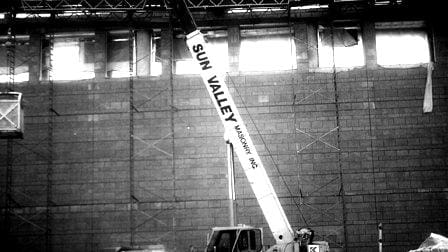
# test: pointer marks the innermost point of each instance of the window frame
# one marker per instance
(188, 65)
(251, 33)
(20, 41)
(76, 37)
(124, 73)
(402, 27)
(333, 62)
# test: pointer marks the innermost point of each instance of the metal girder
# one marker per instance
(235, 3)
(126, 5)
(82, 5)
(55, 6)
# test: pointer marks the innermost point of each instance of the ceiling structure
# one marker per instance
(60, 6)
(137, 5)
(25, 14)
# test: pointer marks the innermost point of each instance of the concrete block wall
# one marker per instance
(344, 152)
(409, 155)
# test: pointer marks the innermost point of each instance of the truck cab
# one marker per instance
(235, 239)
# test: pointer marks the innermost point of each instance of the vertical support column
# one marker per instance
(234, 42)
(34, 63)
(45, 58)
(301, 42)
(100, 55)
(8, 188)
(305, 38)
(369, 42)
(440, 41)
(168, 70)
(166, 56)
(10, 62)
(132, 198)
(11, 51)
(313, 57)
(143, 48)
(166, 53)
(50, 131)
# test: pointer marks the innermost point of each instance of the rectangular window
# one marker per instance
(217, 49)
(402, 47)
(156, 60)
(22, 55)
(72, 57)
(119, 51)
(183, 62)
(388, 2)
(267, 50)
(340, 47)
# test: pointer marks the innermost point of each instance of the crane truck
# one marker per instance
(241, 237)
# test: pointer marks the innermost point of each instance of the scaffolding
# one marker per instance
(322, 141)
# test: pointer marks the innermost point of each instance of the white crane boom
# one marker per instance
(243, 238)
(240, 138)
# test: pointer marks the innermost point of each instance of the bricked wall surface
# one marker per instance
(344, 152)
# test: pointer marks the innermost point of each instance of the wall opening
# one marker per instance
(401, 46)
(218, 50)
(22, 56)
(346, 43)
(118, 54)
(267, 50)
(72, 56)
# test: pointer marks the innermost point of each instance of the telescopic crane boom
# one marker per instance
(235, 128)
(239, 136)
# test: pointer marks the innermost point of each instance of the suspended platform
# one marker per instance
(11, 115)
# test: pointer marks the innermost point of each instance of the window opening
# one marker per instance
(218, 49)
(402, 47)
(118, 54)
(267, 50)
(388, 2)
(22, 57)
(222, 241)
(225, 242)
(248, 240)
(346, 43)
(72, 57)
(156, 60)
